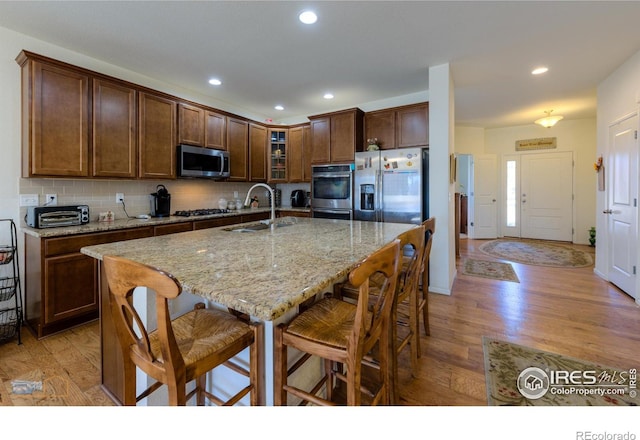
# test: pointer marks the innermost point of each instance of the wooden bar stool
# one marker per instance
(181, 350)
(406, 296)
(423, 302)
(342, 334)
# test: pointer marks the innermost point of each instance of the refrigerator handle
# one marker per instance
(380, 201)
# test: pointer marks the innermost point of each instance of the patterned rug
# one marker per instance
(489, 269)
(519, 375)
(537, 253)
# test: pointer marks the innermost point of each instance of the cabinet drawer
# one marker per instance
(215, 222)
(65, 245)
(244, 218)
(172, 228)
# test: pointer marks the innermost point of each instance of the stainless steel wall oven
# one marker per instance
(332, 191)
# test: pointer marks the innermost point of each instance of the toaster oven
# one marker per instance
(56, 216)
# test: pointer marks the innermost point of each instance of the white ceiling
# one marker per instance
(361, 51)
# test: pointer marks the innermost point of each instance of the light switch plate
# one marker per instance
(28, 199)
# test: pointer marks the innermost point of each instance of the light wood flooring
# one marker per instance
(567, 311)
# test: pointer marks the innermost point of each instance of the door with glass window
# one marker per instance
(538, 201)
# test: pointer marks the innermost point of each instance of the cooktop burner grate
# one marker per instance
(203, 211)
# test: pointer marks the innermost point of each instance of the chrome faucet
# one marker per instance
(273, 201)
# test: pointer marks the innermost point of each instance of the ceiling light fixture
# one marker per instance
(328, 96)
(215, 82)
(539, 70)
(308, 17)
(279, 107)
(548, 121)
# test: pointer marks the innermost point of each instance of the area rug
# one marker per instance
(489, 269)
(537, 253)
(519, 375)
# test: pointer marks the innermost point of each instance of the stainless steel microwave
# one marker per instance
(202, 162)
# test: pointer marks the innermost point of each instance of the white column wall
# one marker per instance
(442, 262)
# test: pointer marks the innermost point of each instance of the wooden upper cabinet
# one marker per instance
(334, 136)
(114, 130)
(306, 153)
(257, 153)
(299, 161)
(412, 124)
(382, 126)
(157, 136)
(191, 123)
(201, 127)
(278, 154)
(295, 159)
(237, 145)
(215, 134)
(398, 127)
(346, 133)
(55, 113)
(321, 140)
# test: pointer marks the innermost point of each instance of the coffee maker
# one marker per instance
(160, 202)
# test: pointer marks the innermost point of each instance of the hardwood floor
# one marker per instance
(568, 311)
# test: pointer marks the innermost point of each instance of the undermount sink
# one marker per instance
(254, 227)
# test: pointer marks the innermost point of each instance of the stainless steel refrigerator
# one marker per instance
(392, 185)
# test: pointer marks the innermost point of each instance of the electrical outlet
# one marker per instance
(29, 200)
(119, 197)
(51, 200)
(235, 194)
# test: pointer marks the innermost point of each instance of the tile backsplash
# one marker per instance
(186, 194)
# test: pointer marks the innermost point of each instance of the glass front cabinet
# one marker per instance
(278, 155)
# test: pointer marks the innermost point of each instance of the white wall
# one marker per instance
(618, 96)
(577, 136)
(442, 262)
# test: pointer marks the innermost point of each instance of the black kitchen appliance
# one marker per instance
(160, 202)
(298, 197)
(55, 216)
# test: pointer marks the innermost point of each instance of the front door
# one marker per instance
(621, 175)
(546, 196)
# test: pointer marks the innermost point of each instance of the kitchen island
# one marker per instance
(265, 274)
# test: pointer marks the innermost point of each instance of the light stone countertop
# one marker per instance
(128, 223)
(263, 273)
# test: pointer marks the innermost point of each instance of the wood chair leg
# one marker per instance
(280, 365)
(177, 396)
(328, 374)
(201, 384)
(414, 328)
(255, 365)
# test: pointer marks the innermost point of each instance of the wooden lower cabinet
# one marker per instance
(292, 213)
(61, 284)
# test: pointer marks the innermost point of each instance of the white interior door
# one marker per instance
(546, 196)
(485, 188)
(622, 181)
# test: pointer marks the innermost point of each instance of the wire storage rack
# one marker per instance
(10, 291)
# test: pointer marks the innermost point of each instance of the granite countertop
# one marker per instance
(263, 273)
(127, 223)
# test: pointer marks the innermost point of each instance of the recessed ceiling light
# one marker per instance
(328, 96)
(279, 107)
(539, 70)
(215, 82)
(308, 17)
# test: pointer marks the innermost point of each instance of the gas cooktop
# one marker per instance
(204, 211)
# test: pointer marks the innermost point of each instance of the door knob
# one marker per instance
(608, 211)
